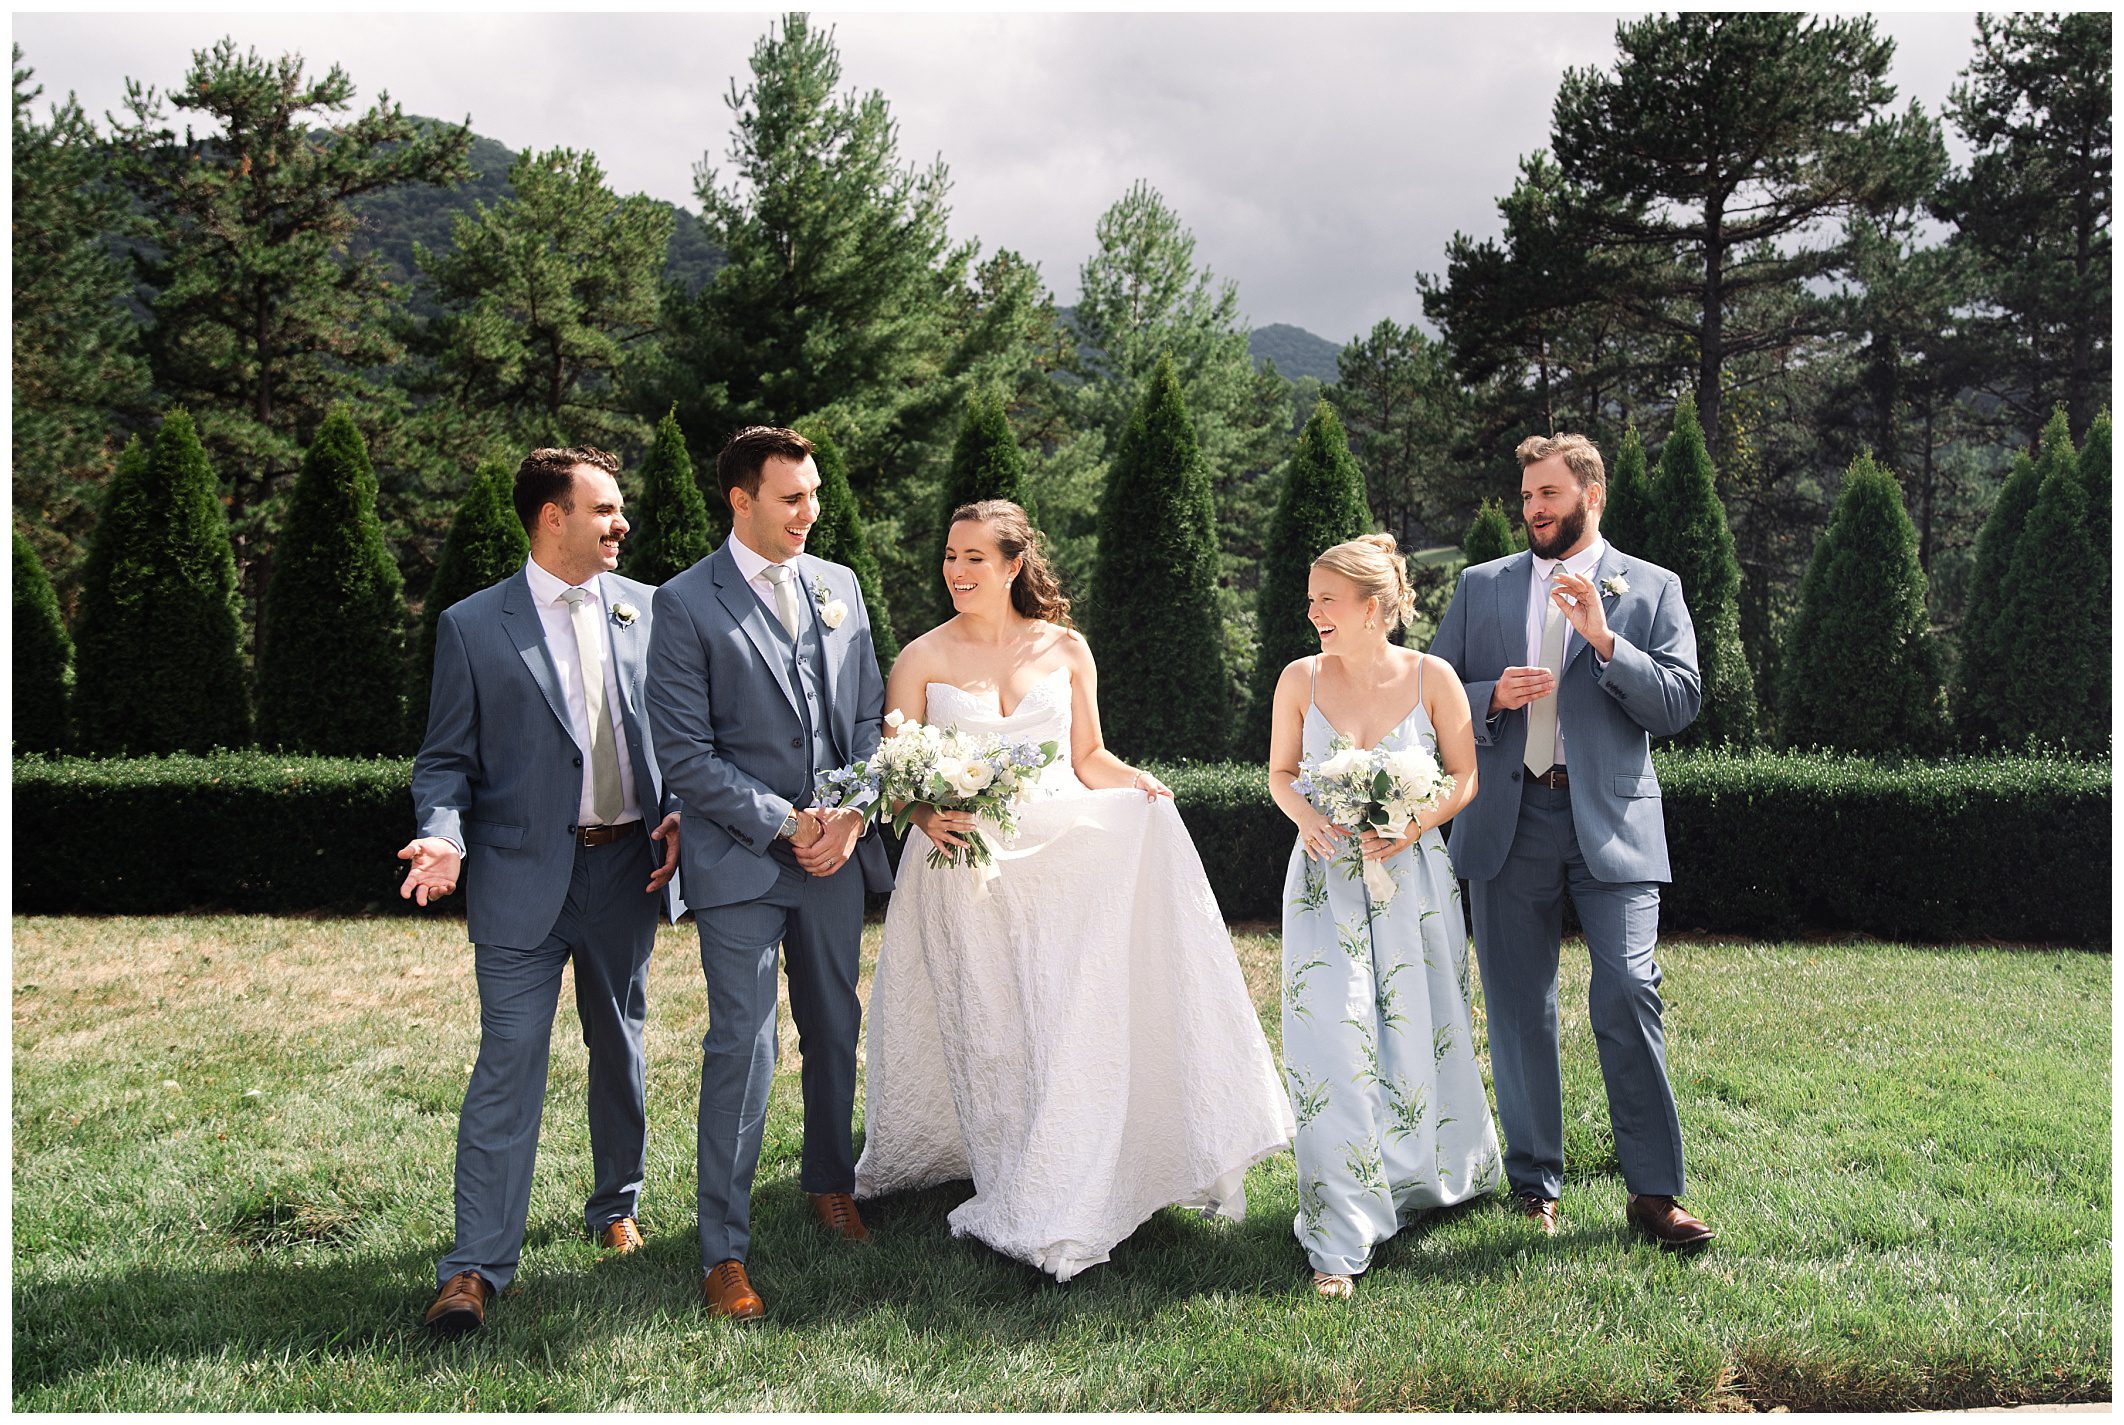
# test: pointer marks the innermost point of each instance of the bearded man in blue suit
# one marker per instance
(1574, 655)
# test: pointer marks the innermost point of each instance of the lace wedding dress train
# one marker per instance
(1074, 1034)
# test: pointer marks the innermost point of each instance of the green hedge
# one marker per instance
(243, 831)
(1763, 843)
(1998, 848)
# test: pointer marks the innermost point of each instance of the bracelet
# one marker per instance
(1136, 781)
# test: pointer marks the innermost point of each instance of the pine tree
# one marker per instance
(1624, 517)
(1321, 505)
(1720, 180)
(669, 527)
(2052, 636)
(546, 295)
(1163, 688)
(1980, 692)
(77, 368)
(1493, 535)
(1861, 670)
(42, 653)
(1687, 533)
(986, 464)
(486, 544)
(331, 662)
(840, 536)
(262, 321)
(2094, 478)
(159, 659)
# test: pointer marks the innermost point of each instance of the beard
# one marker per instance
(1562, 535)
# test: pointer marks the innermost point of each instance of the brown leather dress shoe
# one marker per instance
(460, 1306)
(621, 1236)
(1662, 1219)
(1541, 1211)
(729, 1293)
(838, 1211)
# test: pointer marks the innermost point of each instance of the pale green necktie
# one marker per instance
(607, 798)
(785, 598)
(1541, 713)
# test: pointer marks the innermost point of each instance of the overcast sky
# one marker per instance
(1320, 162)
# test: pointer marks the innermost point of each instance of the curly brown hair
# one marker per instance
(1035, 593)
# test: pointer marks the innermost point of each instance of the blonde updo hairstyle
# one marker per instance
(1035, 593)
(1373, 563)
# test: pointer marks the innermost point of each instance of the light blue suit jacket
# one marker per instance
(499, 771)
(1608, 715)
(729, 736)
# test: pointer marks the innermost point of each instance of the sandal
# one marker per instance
(1332, 1287)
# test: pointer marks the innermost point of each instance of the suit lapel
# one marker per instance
(627, 658)
(528, 634)
(1609, 564)
(1511, 587)
(744, 606)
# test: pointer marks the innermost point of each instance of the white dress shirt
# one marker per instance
(1582, 564)
(754, 568)
(554, 617)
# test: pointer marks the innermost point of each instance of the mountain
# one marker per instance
(393, 220)
(1296, 352)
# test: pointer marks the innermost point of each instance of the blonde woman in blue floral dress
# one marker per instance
(1378, 1047)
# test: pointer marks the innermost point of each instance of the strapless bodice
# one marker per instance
(1042, 715)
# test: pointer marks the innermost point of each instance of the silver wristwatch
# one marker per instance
(789, 827)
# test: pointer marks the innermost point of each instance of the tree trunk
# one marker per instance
(1928, 478)
(1711, 353)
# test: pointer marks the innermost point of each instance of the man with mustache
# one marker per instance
(537, 774)
(1575, 655)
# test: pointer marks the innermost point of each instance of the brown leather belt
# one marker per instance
(1556, 779)
(604, 835)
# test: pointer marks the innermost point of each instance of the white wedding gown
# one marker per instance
(1074, 1034)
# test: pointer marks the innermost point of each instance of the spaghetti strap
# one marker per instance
(1419, 678)
(1312, 679)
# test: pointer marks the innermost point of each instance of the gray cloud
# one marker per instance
(1320, 161)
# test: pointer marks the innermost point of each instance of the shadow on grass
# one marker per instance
(293, 1286)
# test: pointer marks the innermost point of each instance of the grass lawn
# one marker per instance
(233, 1142)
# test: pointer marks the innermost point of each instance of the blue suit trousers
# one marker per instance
(606, 928)
(1518, 918)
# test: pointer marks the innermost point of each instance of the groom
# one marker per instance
(762, 675)
(1575, 655)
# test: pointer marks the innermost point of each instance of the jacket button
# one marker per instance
(1515, 776)
(578, 761)
(796, 742)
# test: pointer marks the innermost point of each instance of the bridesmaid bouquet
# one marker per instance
(1373, 789)
(945, 768)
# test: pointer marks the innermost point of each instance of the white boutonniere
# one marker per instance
(624, 613)
(831, 609)
(1615, 586)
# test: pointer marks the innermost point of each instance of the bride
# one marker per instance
(1073, 1035)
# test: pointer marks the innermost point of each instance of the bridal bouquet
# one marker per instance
(1373, 789)
(945, 768)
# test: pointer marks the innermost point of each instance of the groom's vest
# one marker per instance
(807, 675)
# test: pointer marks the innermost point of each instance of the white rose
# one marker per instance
(951, 769)
(974, 776)
(1341, 764)
(833, 612)
(894, 718)
(1413, 768)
